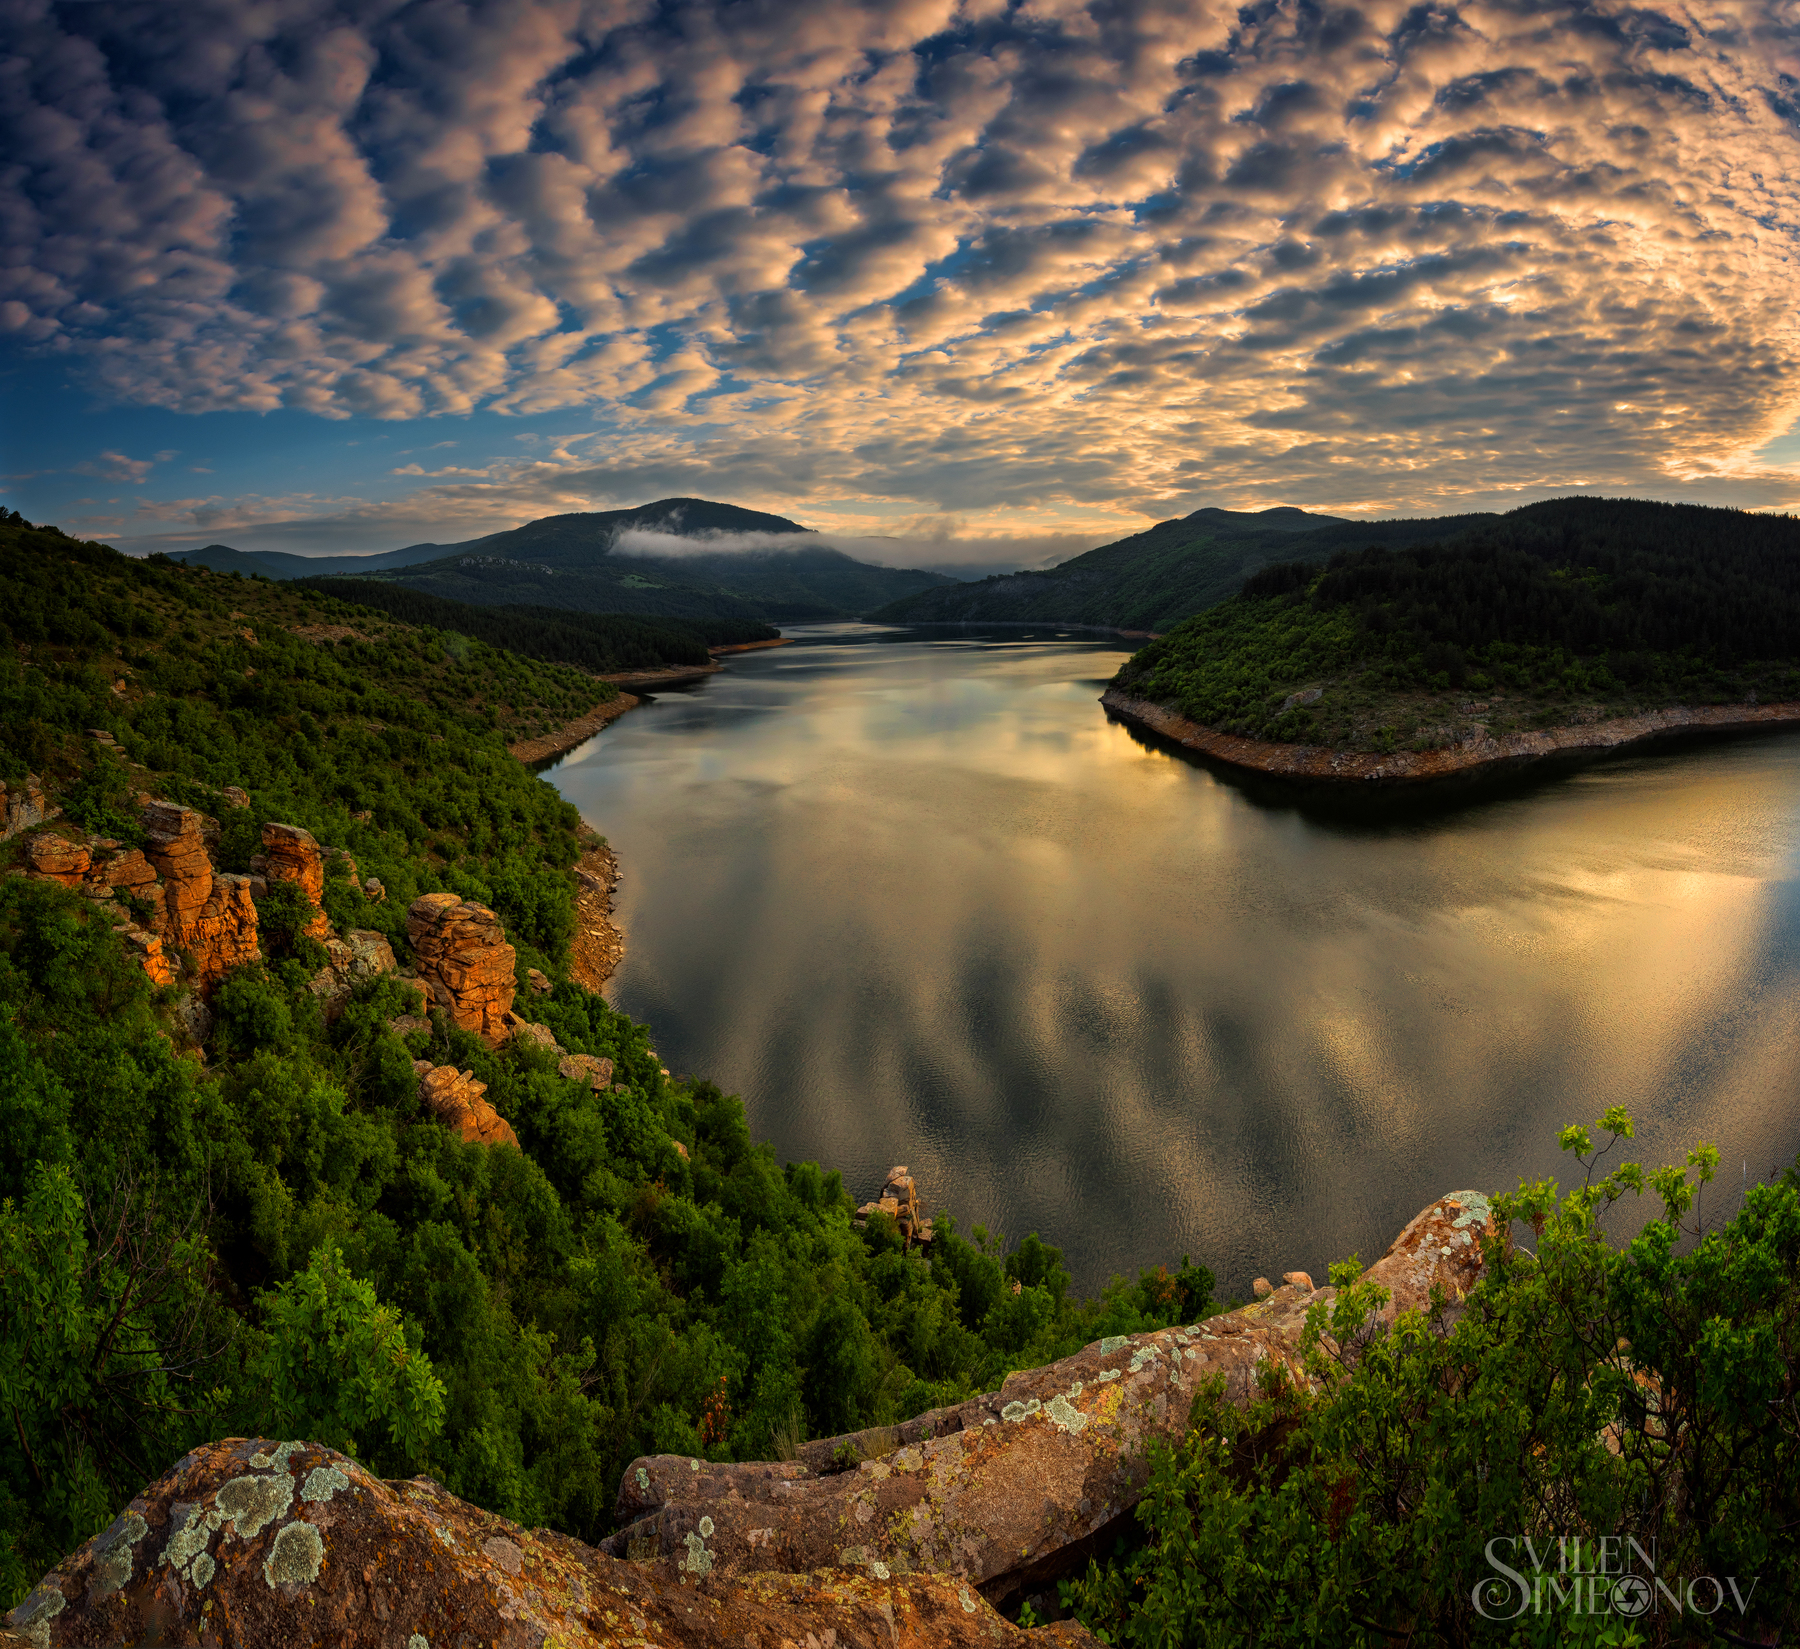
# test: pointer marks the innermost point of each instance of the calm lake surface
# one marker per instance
(919, 901)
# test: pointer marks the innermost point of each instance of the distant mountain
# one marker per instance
(1156, 578)
(279, 564)
(573, 562)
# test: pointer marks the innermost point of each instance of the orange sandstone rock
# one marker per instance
(57, 859)
(456, 1096)
(178, 851)
(292, 855)
(464, 962)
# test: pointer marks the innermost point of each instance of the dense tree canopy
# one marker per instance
(1560, 611)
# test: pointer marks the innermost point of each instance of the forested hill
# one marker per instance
(1561, 612)
(590, 641)
(225, 1206)
(1154, 579)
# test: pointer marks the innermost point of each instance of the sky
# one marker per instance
(984, 282)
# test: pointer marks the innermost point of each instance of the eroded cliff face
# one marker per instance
(464, 962)
(291, 854)
(249, 1542)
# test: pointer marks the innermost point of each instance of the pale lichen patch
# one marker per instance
(699, 1560)
(34, 1615)
(296, 1556)
(1114, 1342)
(112, 1553)
(251, 1504)
(1064, 1415)
(201, 1570)
(322, 1482)
(1016, 1412)
(968, 1602)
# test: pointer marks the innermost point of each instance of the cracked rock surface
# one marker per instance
(249, 1542)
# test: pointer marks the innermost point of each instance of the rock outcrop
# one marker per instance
(210, 916)
(291, 854)
(55, 858)
(464, 962)
(595, 1072)
(899, 1200)
(1010, 1489)
(23, 807)
(456, 1097)
(252, 1543)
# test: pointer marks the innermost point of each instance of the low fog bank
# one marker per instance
(954, 556)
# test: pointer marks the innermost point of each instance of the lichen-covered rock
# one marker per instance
(370, 953)
(235, 796)
(246, 1544)
(464, 962)
(290, 854)
(1008, 1489)
(23, 807)
(596, 1072)
(456, 1097)
(373, 890)
(532, 1035)
(55, 858)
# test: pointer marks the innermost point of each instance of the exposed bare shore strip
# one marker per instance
(597, 946)
(1323, 762)
(572, 733)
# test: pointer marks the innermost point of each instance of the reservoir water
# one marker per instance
(920, 901)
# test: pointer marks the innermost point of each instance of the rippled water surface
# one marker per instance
(919, 901)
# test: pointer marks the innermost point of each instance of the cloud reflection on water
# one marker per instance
(926, 904)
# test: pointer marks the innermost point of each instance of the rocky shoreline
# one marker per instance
(566, 737)
(598, 947)
(1327, 764)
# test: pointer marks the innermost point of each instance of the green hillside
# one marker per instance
(305, 1249)
(590, 641)
(1562, 612)
(1154, 579)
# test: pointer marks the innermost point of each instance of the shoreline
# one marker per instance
(598, 945)
(1329, 765)
(570, 734)
(749, 646)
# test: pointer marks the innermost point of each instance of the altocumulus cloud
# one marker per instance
(968, 255)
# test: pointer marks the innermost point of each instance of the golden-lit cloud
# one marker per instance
(1084, 262)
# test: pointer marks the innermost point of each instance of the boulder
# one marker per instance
(1011, 1489)
(290, 854)
(22, 807)
(250, 1542)
(235, 796)
(464, 962)
(456, 1097)
(899, 1200)
(370, 953)
(57, 859)
(537, 1036)
(373, 891)
(538, 981)
(595, 1072)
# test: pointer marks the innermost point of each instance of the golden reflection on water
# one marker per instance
(923, 902)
